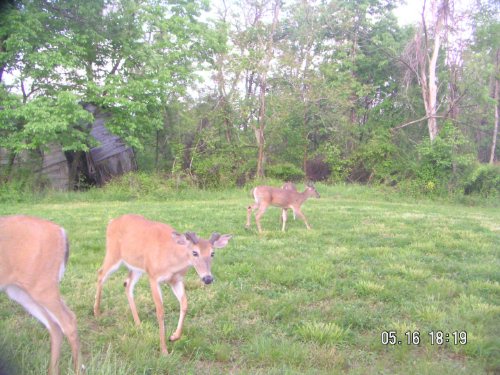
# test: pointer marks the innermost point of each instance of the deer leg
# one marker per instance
(133, 277)
(38, 311)
(301, 215)
(284, 217)
(65, 323)
(250, 209)
(258, 215)
(56, 337)
(109, 266)
(178, 289)
(158, 300)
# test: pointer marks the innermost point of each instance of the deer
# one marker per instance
(155, 248)
(33, 257)
(266, 195)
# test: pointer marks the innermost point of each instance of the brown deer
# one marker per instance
(145, 246)
(33, 257)
(267, 195)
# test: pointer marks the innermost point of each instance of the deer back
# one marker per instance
(26, 255)
(146, 245)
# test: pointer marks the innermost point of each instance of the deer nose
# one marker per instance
(207, 279)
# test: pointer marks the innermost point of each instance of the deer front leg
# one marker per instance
(284, 217)
(156, 291)
(301, 215)
(178, 289)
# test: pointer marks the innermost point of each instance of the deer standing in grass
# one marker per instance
(267, 195)
(33, 257)
(145, 246)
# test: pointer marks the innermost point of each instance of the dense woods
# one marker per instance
(216, 94)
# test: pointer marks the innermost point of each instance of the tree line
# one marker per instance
(218, 94)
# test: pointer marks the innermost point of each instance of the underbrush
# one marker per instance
(483, 189)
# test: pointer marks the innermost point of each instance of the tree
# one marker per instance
(421, 57)
(130, 58)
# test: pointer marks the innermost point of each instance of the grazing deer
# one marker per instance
(267, 195)
(165, 255)
(33, 257)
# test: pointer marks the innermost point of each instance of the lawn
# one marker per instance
(364, 292)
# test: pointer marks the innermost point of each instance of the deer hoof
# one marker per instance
(175, 337)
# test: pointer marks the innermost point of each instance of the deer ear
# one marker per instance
(179, 238)
(192, 237)
(215, 236)
(221, 241)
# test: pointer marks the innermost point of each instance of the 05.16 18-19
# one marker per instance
(434, 338)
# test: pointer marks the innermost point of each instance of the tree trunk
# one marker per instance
(259, 130)
(10, 165)
(495, 128)
(432, 92)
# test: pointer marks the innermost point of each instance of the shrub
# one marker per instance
(136, 185)
(336, 168)
(375, 161)
(484, 180)
(444, 164)
(284, 172)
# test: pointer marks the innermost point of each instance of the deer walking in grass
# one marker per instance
(266, 196)
(145, 246)
(33, 257)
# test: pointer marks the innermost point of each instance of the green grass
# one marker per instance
(300, 302)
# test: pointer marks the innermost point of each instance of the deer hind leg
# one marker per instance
(160, 313)
(262, 209)
(39, 311)
(178, 289)
(250, 209)
(133, 277)
(66, 323)
(109, 266)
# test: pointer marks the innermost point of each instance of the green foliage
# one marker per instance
(444, 163)
(332, 155)
(376, 160)
(484, 180)
(285, 172)
(323, 333)
(45, 120)
(218, 170)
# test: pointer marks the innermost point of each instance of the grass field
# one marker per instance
(301, 302)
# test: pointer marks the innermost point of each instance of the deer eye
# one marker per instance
(195, 253)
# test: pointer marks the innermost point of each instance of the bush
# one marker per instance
(136, 185)
(215, 171)
(23, 185)
(285, 172)
(336, 168)
(484, 180)
(444, 164)
(375, 161)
